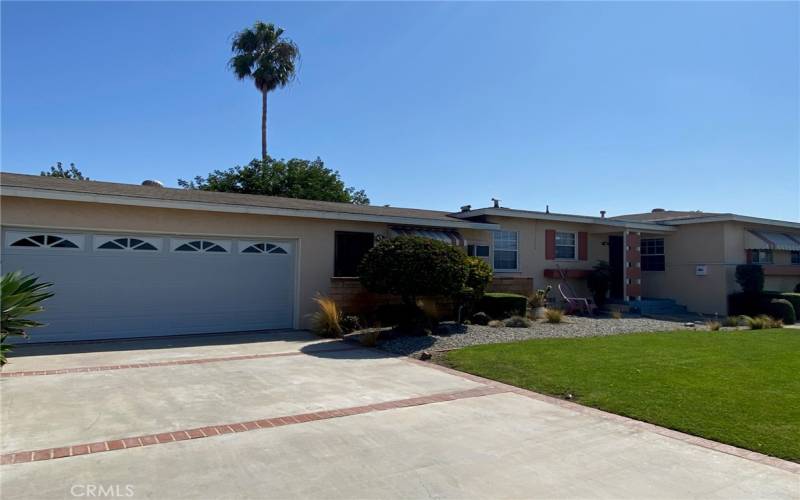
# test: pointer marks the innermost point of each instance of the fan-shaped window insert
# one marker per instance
(43, 240)
(201, 246)
(136, 244)
(262, 247)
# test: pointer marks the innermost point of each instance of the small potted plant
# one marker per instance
(538, 302)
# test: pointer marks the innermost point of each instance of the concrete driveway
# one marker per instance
(286, 415)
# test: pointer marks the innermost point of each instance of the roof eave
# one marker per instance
(733, 218)
(580, 219)
(51, 194)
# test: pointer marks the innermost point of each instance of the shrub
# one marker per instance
(20, 296)
(732, 321)
(713, 325)
(479, 275)
(495, 323)
(327, 321)
(480, 318)
(503, 305)
(783, 310)
(350, 323)
(390, 314)
(554, 315)
(517, 322)
(794, 298)
(599, 281)
(412, 267)
(750, 277)
(616, 314)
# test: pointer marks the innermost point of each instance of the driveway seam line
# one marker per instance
(238, 427)
(176, 362)
(750, 455)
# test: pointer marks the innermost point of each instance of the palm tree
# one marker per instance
(261, 53)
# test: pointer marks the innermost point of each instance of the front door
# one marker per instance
(616, 261)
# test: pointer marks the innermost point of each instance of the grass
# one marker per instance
(741, 388)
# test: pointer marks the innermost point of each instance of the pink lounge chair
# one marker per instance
(574, 303)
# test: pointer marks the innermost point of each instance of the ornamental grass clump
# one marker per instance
(327, 321)
(554, 315)
(714, 326)
(762, 322)
(732, 321)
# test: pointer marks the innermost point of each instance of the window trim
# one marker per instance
(174, 243)
(516, 252)
(102, 239)
(574, 247)
(243, 245)
(754, 253)
(662, 254)
(12, 237)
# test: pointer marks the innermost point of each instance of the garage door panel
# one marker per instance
(123, 293)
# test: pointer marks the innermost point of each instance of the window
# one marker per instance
(565, 245)
(652, 254)
(134, 244)
(349, 250)
(795, 257)
(44, 240)
(761, 256)
(477, 250)
(505, 250)
(200, 246)
(262, 247)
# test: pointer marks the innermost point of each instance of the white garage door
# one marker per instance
(123, 285)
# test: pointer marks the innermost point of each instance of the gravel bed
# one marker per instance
(453, 336)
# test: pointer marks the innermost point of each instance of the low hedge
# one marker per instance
(753, 304)
(503, 305)
(783, 310)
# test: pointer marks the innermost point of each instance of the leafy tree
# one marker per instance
(309, 180)
(750, 277)
(264, 55)
(19, 298)
(71, 173)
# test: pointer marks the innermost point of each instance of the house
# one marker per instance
(130, 260)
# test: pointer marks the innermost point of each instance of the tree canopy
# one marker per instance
(70, 173)
(295, 178)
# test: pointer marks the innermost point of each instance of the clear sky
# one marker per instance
(583, 106)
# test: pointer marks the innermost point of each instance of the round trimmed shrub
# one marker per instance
(783, 310)
(412, 267)
(480, 318)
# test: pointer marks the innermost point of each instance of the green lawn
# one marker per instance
(740, 388)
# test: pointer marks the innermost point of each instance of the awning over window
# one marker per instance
(445, 235)
(762, 240)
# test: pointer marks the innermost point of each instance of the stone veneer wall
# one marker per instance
(512, 284)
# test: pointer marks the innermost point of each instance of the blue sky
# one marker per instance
(583, 106)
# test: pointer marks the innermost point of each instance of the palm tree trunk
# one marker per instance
(264, 125)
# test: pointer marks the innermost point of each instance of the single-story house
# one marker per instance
(134, 260)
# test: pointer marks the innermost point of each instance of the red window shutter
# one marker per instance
(749, 256)
(583, 246)
(550, 244)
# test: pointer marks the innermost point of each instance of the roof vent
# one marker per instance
(496, 202)
(153, 183)
(657, 210)
(602, 214)
(466, 208)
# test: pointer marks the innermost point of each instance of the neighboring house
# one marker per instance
(130, 260)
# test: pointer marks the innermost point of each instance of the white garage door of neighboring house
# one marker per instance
(126, 285)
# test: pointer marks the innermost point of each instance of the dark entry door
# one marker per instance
(616, 262)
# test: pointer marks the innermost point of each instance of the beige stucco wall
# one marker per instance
(531, 248)
(721, 247)
(315, 237)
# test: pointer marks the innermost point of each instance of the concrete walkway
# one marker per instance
(285, 415)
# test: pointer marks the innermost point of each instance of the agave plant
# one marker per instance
(20, 296)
